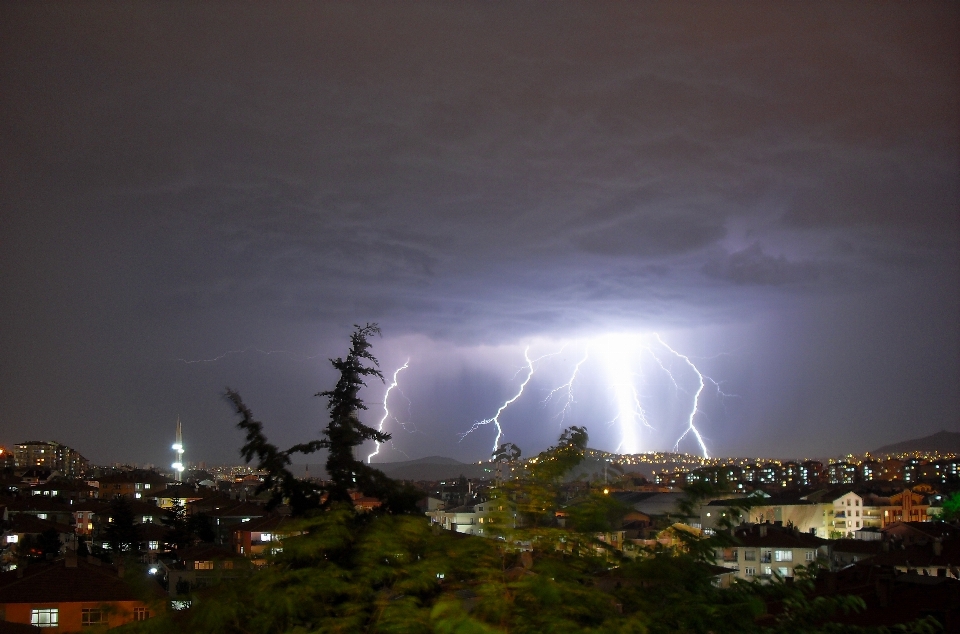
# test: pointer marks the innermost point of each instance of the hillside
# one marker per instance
(942, 441)
(429, 468)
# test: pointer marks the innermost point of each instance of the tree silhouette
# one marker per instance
(122, 533)
(342, 435)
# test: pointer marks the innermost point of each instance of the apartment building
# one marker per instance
(769, 550)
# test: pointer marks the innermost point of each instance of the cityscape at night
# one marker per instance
(567, 316)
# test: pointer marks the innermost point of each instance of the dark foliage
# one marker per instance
(178, 527)
(342, 435)
(122, 533)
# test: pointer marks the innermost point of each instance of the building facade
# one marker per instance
(50, 455)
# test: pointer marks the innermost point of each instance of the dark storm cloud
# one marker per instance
(753, 266)
(185, 179)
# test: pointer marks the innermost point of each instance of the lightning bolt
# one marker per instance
(695, 409)
(386, 409)
(495, 419)
(568, 389)
(629, 408)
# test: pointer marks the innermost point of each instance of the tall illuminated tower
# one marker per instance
(178, 447)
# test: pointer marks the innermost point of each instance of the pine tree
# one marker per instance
(122, 533)
(342, 435)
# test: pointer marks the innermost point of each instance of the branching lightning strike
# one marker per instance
(495, 419)
(386, 408)
(568, 389)
(695, 409)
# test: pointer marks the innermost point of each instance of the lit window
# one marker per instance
(137, 495)
(203, 565)
(154, 545)
(49, 617)
(13, 539)
(42, 516)
(266, 537)
(92, 616)
(783, 555)
(141, 614)
(783, 572)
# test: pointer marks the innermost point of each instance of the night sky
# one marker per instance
(202, 195)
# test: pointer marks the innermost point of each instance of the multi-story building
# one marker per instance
(842, 473)
(892, 470)
(50, 455)
(811, 473)
(871, 470)
(767, 550)
(847, 513)
(130, 484)
(911, 470)
(470, 519)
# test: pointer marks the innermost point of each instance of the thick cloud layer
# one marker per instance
(775, 182)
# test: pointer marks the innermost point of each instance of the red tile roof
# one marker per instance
(57, 583)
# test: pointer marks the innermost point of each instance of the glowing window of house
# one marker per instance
(42, 516)
(266, 537)
(783, 572)
(137, 495)
(45, 617)
(148, 519)
(92, 616)
(767, 570)
(783, 555)
(13, 539)
(153, 545)
(203, 565)
(141, 614)
(146, 486)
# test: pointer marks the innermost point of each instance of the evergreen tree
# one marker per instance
(122, 533)
(342, 435)
(178, 529)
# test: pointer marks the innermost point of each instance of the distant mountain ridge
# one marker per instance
(942, 441)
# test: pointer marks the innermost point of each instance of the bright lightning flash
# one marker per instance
(495, 419)
(386, 408)
(695, 409)
(567, 389)
(619, 357)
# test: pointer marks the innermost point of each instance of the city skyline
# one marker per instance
(740, 217)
